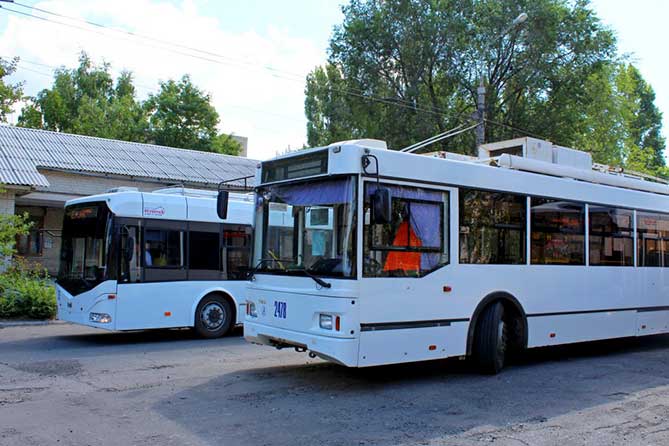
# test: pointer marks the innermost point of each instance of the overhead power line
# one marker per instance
(225, 60)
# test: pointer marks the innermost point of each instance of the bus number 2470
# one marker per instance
(279, 309)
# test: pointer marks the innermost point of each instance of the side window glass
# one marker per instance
(237, 250)
(203, 250)
(415, 242)
(163, 248)
(558, 232)
(492, 227)
(653, 239)
(130, 254)
(611, 236)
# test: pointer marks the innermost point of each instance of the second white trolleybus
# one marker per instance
(528, 245)
(135, 260)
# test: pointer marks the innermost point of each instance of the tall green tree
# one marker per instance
(181, 115)
(404, 70)
(87, 101)
(10, 94)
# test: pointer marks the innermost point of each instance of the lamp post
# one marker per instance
(480, 102)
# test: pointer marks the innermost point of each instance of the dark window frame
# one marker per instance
(445, 236)
(523, 228)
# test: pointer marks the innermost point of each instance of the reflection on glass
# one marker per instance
(308, 226)
(558, 232)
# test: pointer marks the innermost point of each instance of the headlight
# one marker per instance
(325, 321)
(100, 318)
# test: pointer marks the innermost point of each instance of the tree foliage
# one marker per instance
(88, 101)
(10, 94)
(404, 70)
(181, 115)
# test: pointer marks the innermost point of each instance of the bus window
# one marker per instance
(558, 232)
(237, 250)
(413, 243)
(163, 248)
(130, 254)
(653, 239)
(611, 238)
(492, 227)
(203, 250)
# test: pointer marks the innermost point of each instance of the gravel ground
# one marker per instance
(68, 385)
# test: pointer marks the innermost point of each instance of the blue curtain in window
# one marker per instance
(425, 217)
(317, 193)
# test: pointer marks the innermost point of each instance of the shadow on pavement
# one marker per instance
(413, 403)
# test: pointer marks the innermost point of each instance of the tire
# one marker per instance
(213, 317)
(492, 339)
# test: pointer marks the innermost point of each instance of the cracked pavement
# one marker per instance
(70, 385)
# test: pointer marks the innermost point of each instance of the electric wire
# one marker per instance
(398, 102)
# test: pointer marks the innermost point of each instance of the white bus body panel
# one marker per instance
(77, 309)
(145, 305)
(563, 303)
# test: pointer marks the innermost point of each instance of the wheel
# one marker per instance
(213, 317)
(491, 339)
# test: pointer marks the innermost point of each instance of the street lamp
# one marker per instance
(480, 102)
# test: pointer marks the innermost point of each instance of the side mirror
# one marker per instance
(129, 249)
(222, 204)
(381, 206)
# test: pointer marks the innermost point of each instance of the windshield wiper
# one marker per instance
(254, 270)
(317, 279)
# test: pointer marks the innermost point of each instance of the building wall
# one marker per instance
(7, 202)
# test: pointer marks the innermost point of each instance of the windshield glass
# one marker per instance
(86, 237)
(307, 226)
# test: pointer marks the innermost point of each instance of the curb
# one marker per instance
(28, 323)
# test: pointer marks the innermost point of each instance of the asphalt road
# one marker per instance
(68, 385)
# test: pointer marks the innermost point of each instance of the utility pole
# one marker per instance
(480, 114)
(480, 100)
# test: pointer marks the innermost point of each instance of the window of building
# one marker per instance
(203, 250)
(31, 244)
(492, 227)
(611, 236)
(163, 248)
(414, 243)
(653, 239)
(558, 232)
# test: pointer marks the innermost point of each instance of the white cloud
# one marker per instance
(264, 104)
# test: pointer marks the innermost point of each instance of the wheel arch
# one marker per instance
(510, 304)
(225, 294)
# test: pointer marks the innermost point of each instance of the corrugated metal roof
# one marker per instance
(23, 151)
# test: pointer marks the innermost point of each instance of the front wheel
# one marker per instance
(491, 339)
(213, 317)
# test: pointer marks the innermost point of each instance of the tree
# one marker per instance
(10, 94)
(86, 101)
(404, 70)
(181, 115)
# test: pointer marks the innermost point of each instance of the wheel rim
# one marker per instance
(213, 316)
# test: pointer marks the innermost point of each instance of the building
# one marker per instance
(40, 170)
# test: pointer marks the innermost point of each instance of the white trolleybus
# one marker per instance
(134, 260)
(427, 257)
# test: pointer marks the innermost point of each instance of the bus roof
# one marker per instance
(173, 204)
(518, 166)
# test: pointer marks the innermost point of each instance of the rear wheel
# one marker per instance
(492, 339)
(213, 317)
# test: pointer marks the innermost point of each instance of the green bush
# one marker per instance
(26, 292)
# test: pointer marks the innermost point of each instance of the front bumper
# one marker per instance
(343, 351)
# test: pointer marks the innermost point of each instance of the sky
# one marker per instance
(252, 56)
